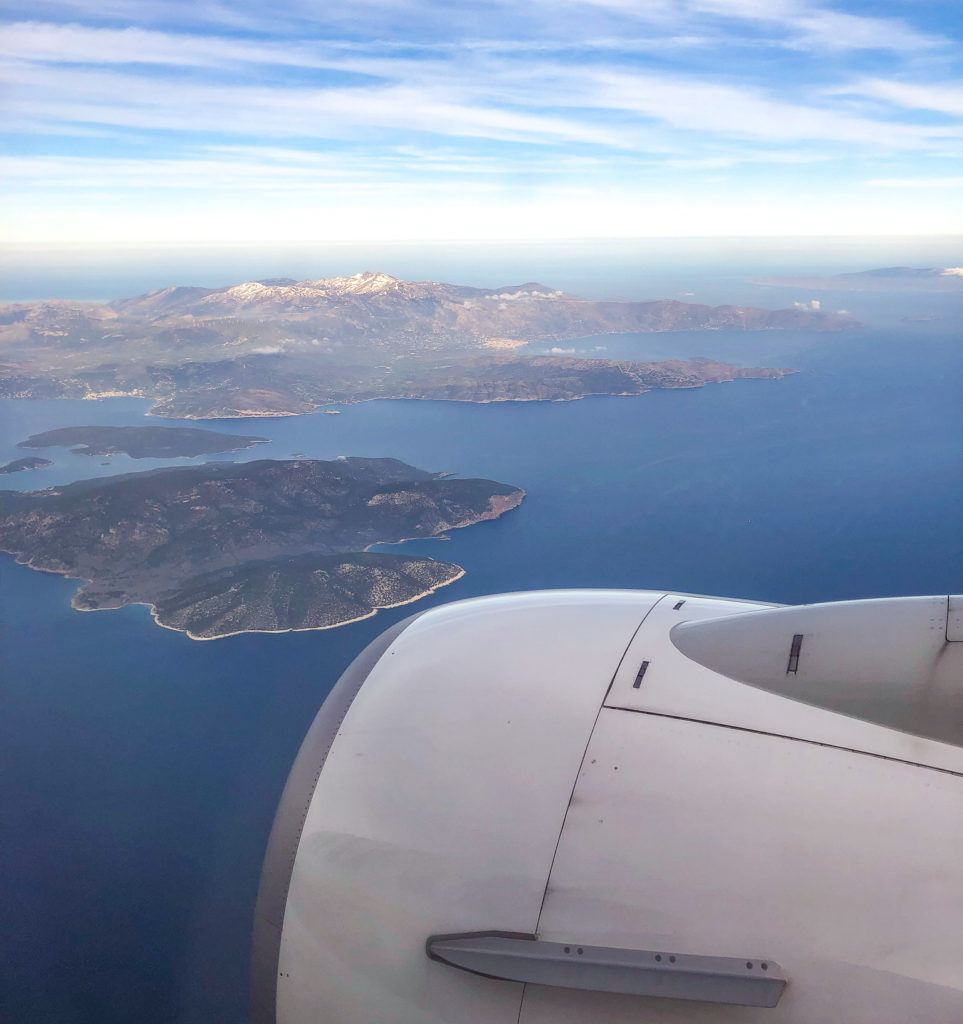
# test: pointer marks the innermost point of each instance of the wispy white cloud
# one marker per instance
(751, 10)
(71, 95)
(713, 107)
(538, 101)
(489, 96)
(942, 98)
(254, 169)
(45, 42)
(796, 23)
(665, 110)
(144, 12)
(920, 183)
(834, 30)
(796, 155)
(809, 25)
(501, 25)
(45, 172)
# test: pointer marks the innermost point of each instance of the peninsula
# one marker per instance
(284, 347)
(265, 546)
(141, 442)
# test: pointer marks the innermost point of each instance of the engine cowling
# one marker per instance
(621, 805)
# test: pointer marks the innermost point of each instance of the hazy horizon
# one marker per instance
(632, 268)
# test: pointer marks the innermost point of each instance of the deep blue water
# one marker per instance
(141, 770)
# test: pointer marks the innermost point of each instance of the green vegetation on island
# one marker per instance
(141, 442)
(19, 465)
(260, 546)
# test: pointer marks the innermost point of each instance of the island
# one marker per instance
(881, 279)
(264, 546)
(281, 347)
(19, 465)
(141, 442)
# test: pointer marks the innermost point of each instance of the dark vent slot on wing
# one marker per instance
(639, 677)
(794, 650)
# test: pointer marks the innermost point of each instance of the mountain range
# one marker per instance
(281, 346)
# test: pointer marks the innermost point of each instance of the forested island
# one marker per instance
(141, 442)
(20, 465)
(265, 546)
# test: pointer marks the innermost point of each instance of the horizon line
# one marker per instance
(16, 246)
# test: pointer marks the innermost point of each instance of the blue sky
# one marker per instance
(165, 120)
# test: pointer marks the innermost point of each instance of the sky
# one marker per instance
(132, 121)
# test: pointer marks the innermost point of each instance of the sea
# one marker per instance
(141, 769)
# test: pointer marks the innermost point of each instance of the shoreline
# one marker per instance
(497, 506)
(157, 458)
(290, 629)
(325, 406)
(81, 448)
(462, 401)
(238, 632)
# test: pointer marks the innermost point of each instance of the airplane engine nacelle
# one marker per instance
(585, 806)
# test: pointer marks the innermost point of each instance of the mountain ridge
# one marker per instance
(194, 350)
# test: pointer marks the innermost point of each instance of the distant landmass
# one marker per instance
(19, 465)
(284, 347)
(260, 546)
(142, 442)
(238, 390)
(939, 279)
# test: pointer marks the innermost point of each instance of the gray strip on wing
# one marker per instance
(639, 972)
(285, 836)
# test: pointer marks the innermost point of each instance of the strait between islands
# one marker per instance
(265, 546)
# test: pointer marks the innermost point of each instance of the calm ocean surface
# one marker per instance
(141, 770)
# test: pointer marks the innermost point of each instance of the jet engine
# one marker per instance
(622, 806)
